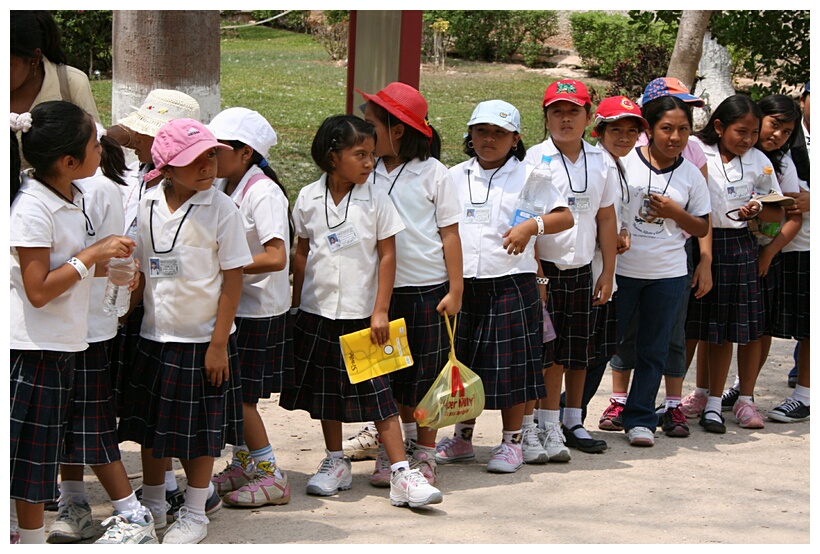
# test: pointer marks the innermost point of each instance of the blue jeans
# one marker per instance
(675, 366)
(654, 303)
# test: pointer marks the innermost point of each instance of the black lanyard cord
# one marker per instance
(89, 227)
(151, 228)
(347, 207)
(393, 184)
(649, 184)
(489, 186)
(586, 172)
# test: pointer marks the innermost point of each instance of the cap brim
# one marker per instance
(194, 151)
(503, 123)
(599, 119)
(569, 99)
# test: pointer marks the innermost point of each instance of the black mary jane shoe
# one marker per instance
(712, 426)
(590, 446)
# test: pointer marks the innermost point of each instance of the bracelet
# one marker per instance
(79, 266)
(541, 280)
(759, 205)
(540, 223)
(127, 132)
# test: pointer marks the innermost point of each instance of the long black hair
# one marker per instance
(33, 29)
(730, 110)
(784, 110)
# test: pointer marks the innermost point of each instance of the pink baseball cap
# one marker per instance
(178, 143)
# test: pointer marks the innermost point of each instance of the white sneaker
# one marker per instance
(334, 475)
(532, 447)
(641, 436)
(73, 523)
(188, 528)
(557, 451)
(134, 528)
(409, 487)
(506, 458)
(159, 513)
(363, 445)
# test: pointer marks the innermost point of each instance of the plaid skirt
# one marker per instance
(792, 317)
(733, 310)
(169, 405)
(499, 335)
(569, 303)
(265, 355)
(605, 331)
(124, 351)
(426, 336)
(40, 395)
(321, 385)
(94, 418)
(770, 286)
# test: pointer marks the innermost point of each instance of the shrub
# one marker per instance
(494, 35)
(86, 38)
(630, 76)
(332, 32)
(604, 40)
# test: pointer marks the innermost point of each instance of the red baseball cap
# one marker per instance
(404, 102)
(617, 107)
(569, 90)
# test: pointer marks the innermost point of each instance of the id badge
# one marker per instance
(579, 203)
(477, 215)
(624, 213)
(163, 268)
(644, 211)
(344, 237)
(739, 191)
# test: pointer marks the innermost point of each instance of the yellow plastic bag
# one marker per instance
(457, 393)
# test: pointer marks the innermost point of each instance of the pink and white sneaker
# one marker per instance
(424, 459)
(230, 479)
(506, 458)
(693, 404)
(381, 473)
(262, 490)
(454, 449)
(747, 415)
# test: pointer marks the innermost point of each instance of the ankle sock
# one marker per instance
(127, 505)
(528, 420)
(241, 457)
(171, 484)
(619, 397)
(265, 461)
(801, 393)
(195, 499)
(511, 437)
(33, 536)
(72, 491)
(465, 431)
(572, 418)
(713, 407)
(672, 402)
(410, 430)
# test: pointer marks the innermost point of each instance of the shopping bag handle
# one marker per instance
(450, 329)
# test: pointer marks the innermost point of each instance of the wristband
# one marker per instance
(541, 280)
(79, 266)
(759, 205)
(540, 223)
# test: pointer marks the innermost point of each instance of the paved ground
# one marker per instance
(741, 487)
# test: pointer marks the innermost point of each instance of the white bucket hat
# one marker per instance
(160, 107)
(246, 126)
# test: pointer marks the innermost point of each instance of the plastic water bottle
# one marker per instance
(534, 195)
(120, 272)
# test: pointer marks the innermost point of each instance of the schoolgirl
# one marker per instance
(500, 332)
(668, 196)
(183, 396)
(429, 280)
(732, 311)
(780, 118)
(346, 251)
(581, 173)
(93, 418)
(253, 478)
(54, 247)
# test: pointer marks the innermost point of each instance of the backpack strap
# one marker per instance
(252, 181)
(62, 77)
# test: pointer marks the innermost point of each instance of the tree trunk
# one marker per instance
(688, 46)
(715, 78)
(165, 49)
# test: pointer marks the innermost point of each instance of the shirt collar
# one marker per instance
(359, 192)
(35, 188)
(473, 167)
(201, 197)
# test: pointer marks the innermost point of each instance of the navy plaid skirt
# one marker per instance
(94, 418)
(426, 336)
(733, 310)
(265, 355)
(499, 335)
(770, 286)
(605, 331)
(40, 395)
(792, 317)
(569, 303)
(321, 386)
(124, 351)
(169, 405)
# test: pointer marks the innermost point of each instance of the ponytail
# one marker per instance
(16, 164)
(112, 162)
(258, 160)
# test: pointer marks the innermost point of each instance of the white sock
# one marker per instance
(745, 399)
(73, 491)
(701, 392)
(713, 404)
(337, 454)
(672, 402)
(572, 418)
(541, 416)
(127, 505)
(195, 499)
(551, 416)
(13, 515)
(410, 430)
(736, 384)
(241, 456)
(33, 536)
(511, 437)
(465, 431)
(171, 481)
(801, 393)
(153, 495)
(528, 420)
(619, 397)
(399, 466)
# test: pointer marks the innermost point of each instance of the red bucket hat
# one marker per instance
(404, 102)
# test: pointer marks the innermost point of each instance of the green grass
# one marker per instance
(290, 80)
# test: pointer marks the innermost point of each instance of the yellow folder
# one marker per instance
(365, 360)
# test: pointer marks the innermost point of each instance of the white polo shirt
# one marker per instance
(790, 182)
(489, 199)
(41, 219)
(657, 247)
(265, 213)
(731, 184)
(587, 185)
(103, 205)
(181, 306)
(341, 282)
(425, 197)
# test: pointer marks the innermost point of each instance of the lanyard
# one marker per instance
(723, 167)
(151, 228)
(623, 183)
(347, 207)
(649, 164)
(393, 184)
(586, 173)
(489, 186)
(89, 227)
